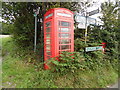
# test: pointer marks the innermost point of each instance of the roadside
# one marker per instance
(116, 85)
(1, 84)
(4, 36)
(0, 72)
(20, 74)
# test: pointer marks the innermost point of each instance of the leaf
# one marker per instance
(55, 62)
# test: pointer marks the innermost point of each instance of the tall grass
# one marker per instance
(23, 71)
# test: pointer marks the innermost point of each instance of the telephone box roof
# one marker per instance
(55, 9)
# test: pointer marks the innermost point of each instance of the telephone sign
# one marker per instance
(63, 14)
(49, 15)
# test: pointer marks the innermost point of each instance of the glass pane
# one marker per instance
(63, 47)
(65, 23)
(59, 23)
(48, 57)
(47, 35)
(48, 41)
(48, 30)
(65, 35)
(59, 41)
(47, 24)
(59, 48)
(59, 35)
(70, 46)
(59, 30)
(48, 47)
(64, 41)
(49, 53)
(64, 29)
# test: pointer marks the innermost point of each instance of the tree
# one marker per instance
(21, 15)
(111, 30)
(6, 28)
(84, 6)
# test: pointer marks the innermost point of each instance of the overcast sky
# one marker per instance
(94, 7)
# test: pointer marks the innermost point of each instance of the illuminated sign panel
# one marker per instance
(49, 15)
(64, 14)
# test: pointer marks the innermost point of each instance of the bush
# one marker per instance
(6, 28)
(67, 62)
(73, 61)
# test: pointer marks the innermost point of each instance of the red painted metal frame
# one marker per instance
(53, 17)
(103, 45)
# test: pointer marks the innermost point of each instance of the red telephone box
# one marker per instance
(58, 32)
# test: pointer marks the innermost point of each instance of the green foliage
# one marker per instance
(79, 45)
(111, 27)
(71, 69)
(20, 76)
(111, 31)
(108, 32)
(6, 48)
(6, 28)
(68, 62)
(21, 15)
(25, 72)
(71, 62)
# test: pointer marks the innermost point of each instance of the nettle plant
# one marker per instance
(67, 62)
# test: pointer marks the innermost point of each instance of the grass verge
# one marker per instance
(22, 72)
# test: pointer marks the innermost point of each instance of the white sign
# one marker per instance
(91, 21)
(81, 25)
(87, 49)
(82, 21)
(64, 14)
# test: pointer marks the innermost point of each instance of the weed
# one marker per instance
(72, 71)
